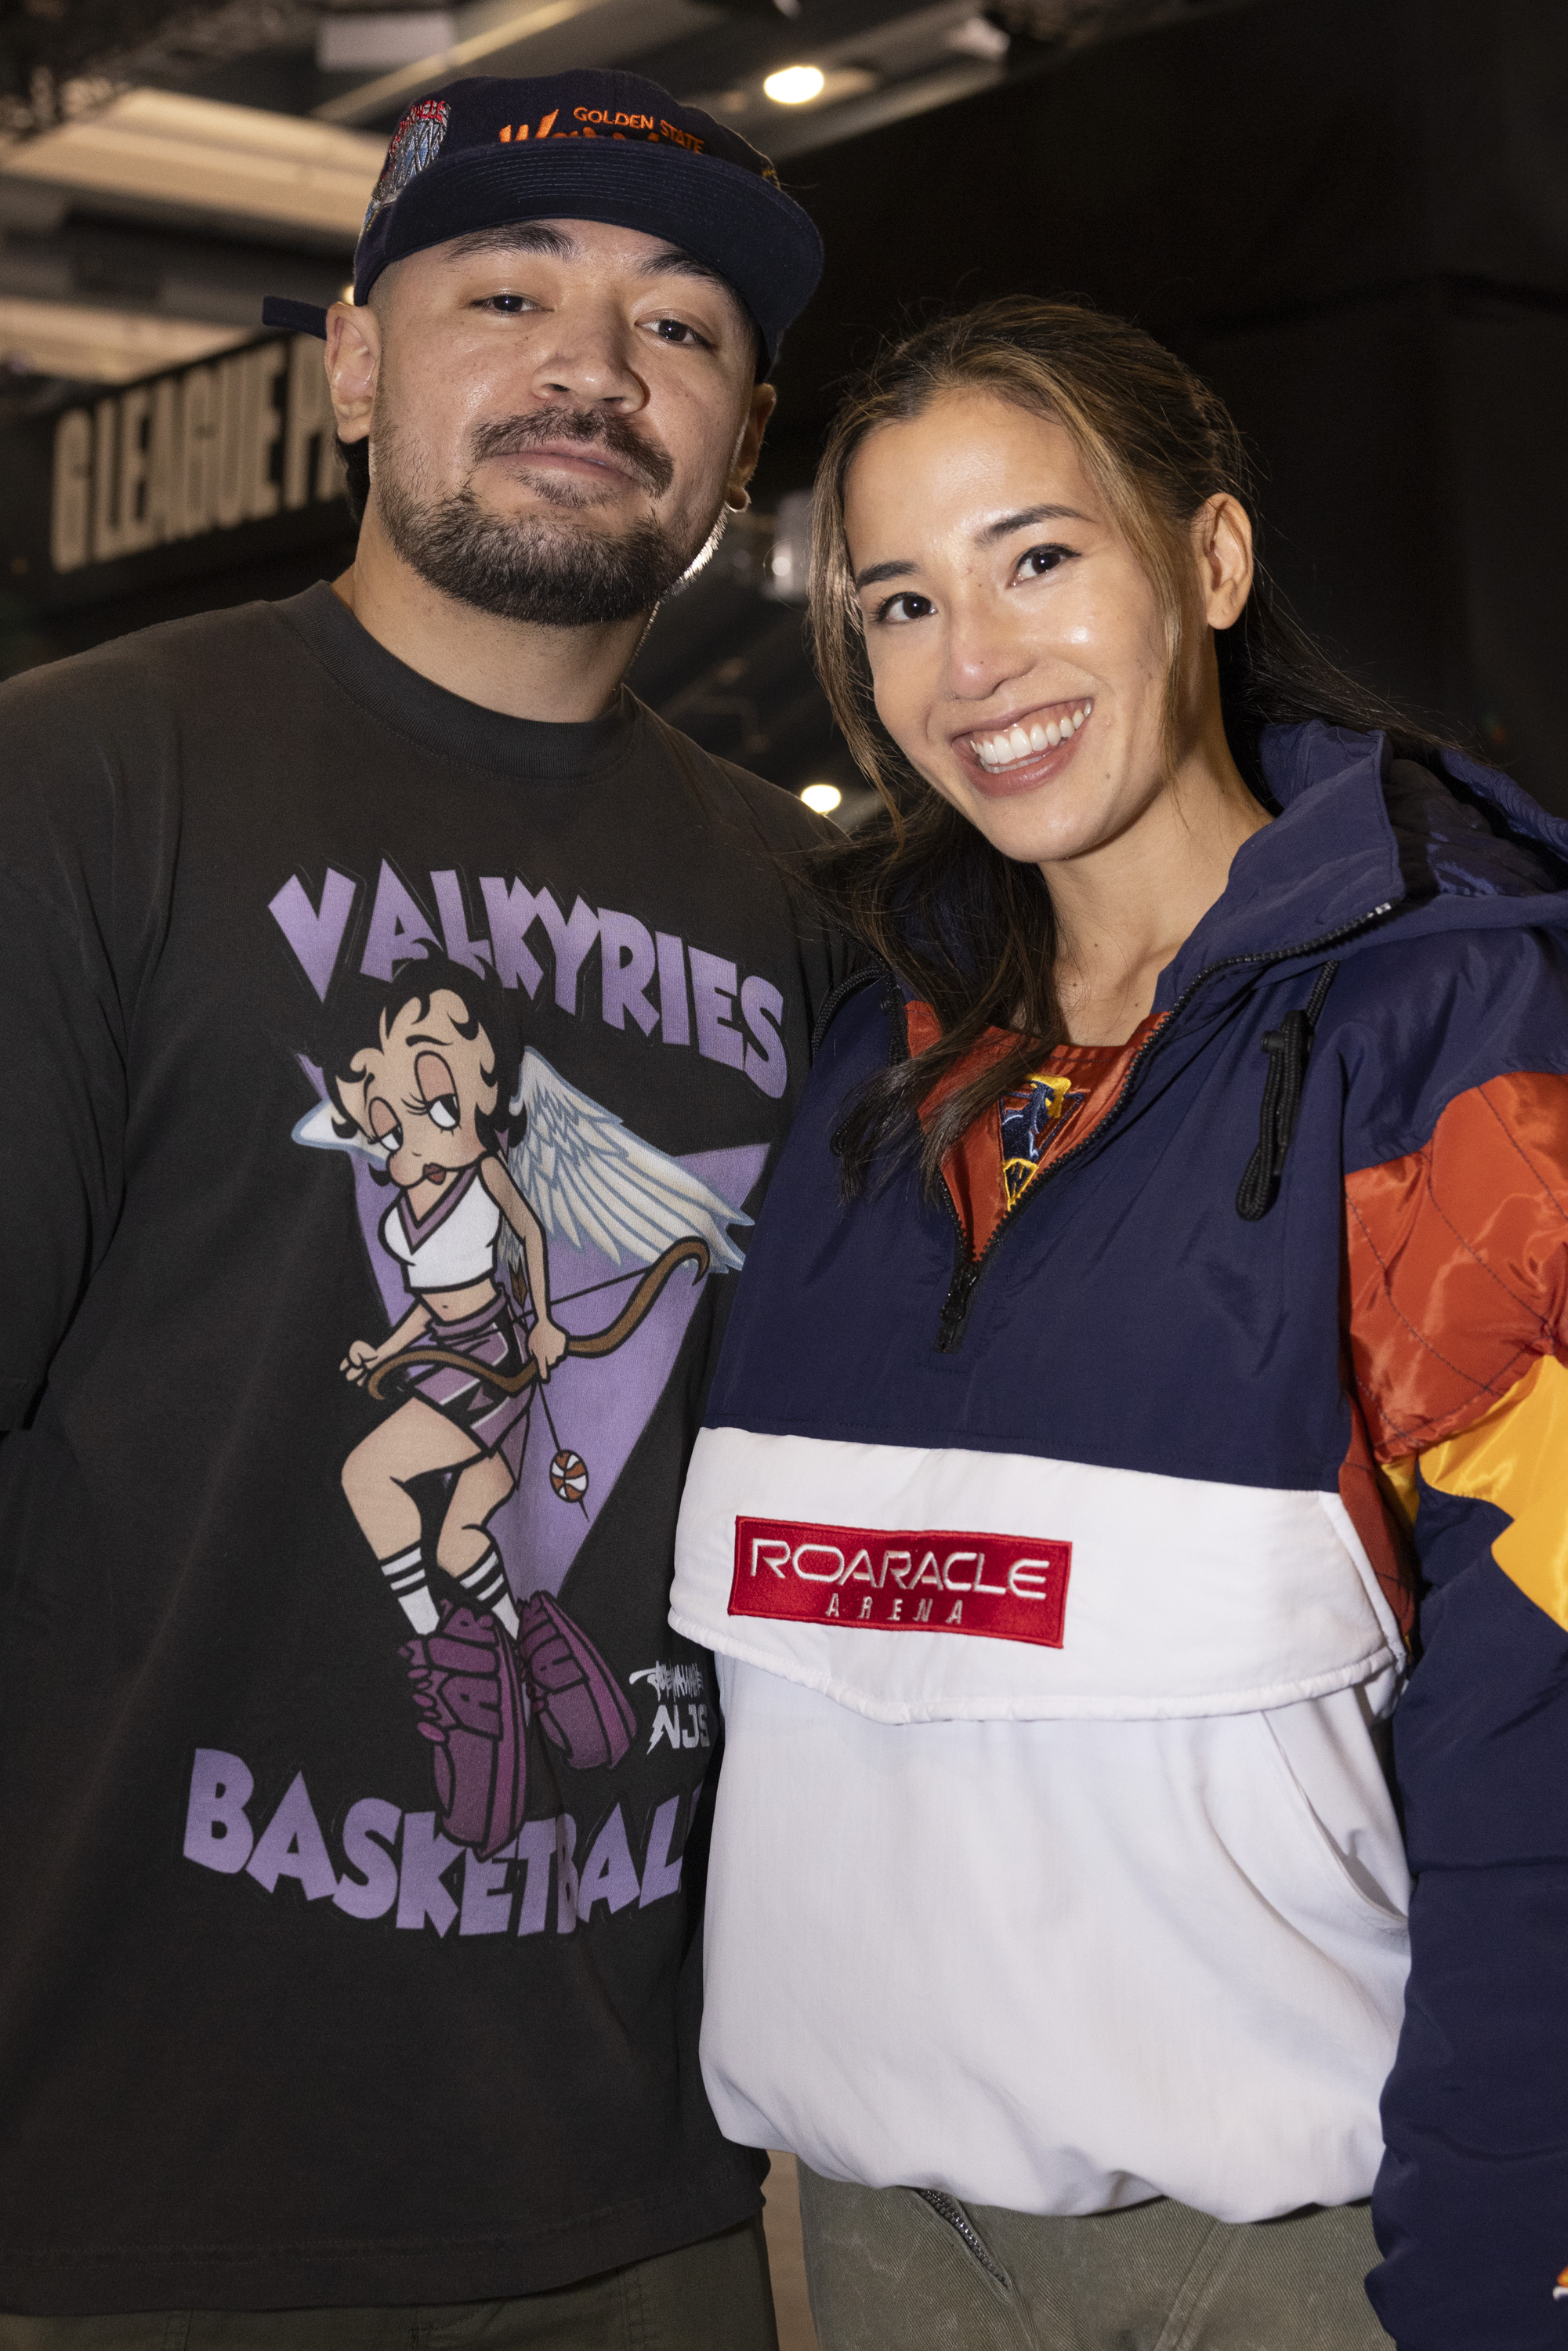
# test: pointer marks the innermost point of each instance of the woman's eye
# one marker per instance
(445, 1113)
(1042, 559)
(392, 1141)
(904, 607)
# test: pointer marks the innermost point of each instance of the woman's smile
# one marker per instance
(1020, 753)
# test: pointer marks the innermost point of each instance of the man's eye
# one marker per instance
(678, 331)
(907, 606)
(508, 305)
(445, 1113)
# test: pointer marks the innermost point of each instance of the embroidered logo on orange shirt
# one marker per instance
(1033, 1117)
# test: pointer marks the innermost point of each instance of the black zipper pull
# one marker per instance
(956, 1310)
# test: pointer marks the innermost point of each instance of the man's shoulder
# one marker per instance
(777, 816)
(203, 654)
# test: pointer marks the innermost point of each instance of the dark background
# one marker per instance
(1350, 215)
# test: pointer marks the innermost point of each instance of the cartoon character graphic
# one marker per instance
(484, 1153)
(1033, 1115)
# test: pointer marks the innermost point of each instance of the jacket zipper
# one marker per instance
(841, 994)
(948, 2209)
(955, 1309)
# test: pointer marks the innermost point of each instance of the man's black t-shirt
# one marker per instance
(350, 1945)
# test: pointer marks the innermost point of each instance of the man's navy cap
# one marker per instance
(591, 145)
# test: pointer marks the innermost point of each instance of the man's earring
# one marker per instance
(737, 501)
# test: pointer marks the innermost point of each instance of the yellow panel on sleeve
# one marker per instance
(1400, 1478)
(1516, 1456)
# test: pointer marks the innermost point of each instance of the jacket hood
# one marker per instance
(1364, 838)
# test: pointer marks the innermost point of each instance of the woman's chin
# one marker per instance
(1037, 826)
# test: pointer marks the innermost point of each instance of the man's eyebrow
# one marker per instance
(672, 262)
(1024, 518)
(514, 237)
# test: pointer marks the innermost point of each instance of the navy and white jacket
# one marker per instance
(1061, 1596)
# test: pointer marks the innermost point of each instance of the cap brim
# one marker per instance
(294, 318)
(735, 222)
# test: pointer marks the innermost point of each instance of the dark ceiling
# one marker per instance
(1352, 215)
(60, 56)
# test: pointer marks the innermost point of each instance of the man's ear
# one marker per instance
(354, 365)
(748, 448)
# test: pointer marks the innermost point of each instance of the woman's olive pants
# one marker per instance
(894, 2268)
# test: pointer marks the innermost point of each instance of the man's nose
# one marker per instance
(589, 359)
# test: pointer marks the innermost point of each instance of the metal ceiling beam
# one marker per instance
(160, 152)
(549, 36)
(86, 342)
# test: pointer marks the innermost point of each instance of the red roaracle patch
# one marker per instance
(1002, 1587)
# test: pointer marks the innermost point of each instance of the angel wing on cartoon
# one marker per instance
(588, 1177)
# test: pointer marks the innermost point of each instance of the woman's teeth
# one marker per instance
(1017, 743)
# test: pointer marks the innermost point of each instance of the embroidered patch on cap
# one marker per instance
(1002, 1587)
(415, 143)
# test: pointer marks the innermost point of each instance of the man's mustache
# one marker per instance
(511, 436)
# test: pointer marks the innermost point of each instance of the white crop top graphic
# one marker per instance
(454, 1244)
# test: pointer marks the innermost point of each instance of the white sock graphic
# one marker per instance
(406, 1582)
(485, 1587)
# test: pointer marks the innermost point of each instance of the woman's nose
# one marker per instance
(982, 654)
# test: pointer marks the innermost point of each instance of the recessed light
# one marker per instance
(794, 85)
(823, 797)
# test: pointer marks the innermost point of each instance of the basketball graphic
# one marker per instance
(569, 1476)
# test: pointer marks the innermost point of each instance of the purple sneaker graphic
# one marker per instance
(583, 1709)
(465, 1677)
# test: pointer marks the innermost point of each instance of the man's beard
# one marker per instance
(526, 568)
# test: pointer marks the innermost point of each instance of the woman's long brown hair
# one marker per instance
(971, 931)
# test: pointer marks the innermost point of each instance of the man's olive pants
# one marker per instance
(893, 2270)
(711, 2296)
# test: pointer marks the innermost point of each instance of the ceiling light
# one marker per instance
(823, 797)
(976, 36)
(794, 85)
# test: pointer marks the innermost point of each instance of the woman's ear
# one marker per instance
(1222, 533)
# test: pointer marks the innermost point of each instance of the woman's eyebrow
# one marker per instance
(1023, 520)
(899, 569)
